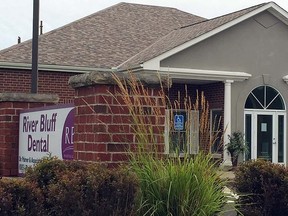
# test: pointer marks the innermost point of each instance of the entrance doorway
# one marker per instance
(265, 125)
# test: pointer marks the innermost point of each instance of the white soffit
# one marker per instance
(154, 64)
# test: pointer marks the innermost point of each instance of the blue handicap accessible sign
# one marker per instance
(179, 122)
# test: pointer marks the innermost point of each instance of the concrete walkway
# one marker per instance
(227, 175)
(229, 209)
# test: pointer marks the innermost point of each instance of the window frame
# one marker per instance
(192, 129)
(264, 105)
(212, 131)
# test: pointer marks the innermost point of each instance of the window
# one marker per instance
(265, 97)
(181, 132)
(216, 130)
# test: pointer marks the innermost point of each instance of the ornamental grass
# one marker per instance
(185, 184)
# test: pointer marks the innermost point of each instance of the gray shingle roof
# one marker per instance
(104, 39)
(182, 35)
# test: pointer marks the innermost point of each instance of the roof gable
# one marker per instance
(255, 46)
(104, 39)
(182, 38)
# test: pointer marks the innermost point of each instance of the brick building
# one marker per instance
(237, 60)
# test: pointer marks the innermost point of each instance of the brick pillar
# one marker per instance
(103, 126)
(10, 106)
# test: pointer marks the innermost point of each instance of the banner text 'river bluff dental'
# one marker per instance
(47, 124)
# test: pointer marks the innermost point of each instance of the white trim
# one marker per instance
(199, 74)
(154, 64)
(58, 68)
(193, 145)
(167, 131)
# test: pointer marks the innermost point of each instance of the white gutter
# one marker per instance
(58, 68)
(135, 68)
(198, 74)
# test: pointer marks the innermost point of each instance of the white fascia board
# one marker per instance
(154, 64)
(198, 74)
(57, 68)
(279, 12)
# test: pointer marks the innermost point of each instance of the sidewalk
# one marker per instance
(227, 175)
(229, 207)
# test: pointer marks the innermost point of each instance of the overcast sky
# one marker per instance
(16, 15)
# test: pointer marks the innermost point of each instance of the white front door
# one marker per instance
(265, 125)
(264, 133)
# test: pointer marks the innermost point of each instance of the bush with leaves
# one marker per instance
(264, 188)
(20, 197)
(81, 188)
(236, 146)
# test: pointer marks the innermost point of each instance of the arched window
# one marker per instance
(265, 97)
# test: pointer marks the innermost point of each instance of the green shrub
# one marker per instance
(67, 195)
(19, 197)
(110, 192)
(178, 186)
(116, 193)
(264, 186)
(81, 188)
(49, 169)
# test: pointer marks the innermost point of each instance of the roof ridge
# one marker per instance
(167, 7)
(81, 19)
(61, 27)
(3, 51)
(93, 39)
(228, 14)
(160, 6)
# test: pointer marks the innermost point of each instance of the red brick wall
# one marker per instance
(103, 125)
(180, 91)
(214, 93)
(9, 124)
(49, 83)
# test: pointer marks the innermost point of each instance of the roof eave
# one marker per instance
(193, 74)
(52, 68)
(200, 74)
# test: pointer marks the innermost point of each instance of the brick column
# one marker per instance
(103, 126)
(10, 106)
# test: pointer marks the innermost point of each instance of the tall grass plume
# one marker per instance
(187, 185)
